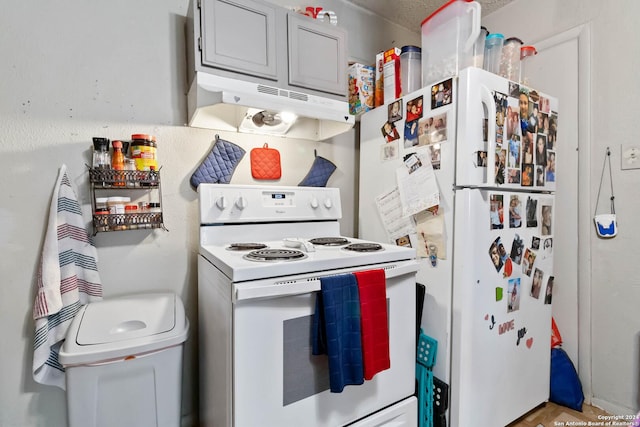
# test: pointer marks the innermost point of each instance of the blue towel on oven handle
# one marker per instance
(336, 330)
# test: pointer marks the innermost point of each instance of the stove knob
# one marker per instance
(221, 203)
(314, 203)
(241, 203)
(328, 203)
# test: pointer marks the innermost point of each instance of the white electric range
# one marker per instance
(263, 250)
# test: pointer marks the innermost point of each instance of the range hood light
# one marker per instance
(288, 117)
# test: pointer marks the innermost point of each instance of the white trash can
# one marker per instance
(123, 362)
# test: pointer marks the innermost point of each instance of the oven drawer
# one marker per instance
(402, 414)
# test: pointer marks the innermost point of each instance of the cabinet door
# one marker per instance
(240, 36)
(317, 54)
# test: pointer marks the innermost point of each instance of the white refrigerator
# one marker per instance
(488, 147)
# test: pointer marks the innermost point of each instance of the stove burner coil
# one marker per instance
(267, 255)
(364, 247)
(330, 241)
(245, 246)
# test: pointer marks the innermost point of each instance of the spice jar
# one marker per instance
(101, 157)
(130, 174)
(101, 204)
(101, 221)
(144, 151)
(116, 207)
(117, 163)
(131, 215)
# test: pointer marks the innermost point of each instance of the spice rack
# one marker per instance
(120, 181)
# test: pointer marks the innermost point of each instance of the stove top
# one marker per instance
(279, 257)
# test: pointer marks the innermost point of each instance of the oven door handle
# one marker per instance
(305, 285)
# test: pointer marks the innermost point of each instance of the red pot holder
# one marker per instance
(265, 163)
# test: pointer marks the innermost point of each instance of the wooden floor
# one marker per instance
(550, 414)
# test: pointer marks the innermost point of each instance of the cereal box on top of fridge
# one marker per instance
(391, 71)
(361, 88)
(379, 83)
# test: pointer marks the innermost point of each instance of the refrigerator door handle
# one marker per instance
(475, 11)
(487, 100)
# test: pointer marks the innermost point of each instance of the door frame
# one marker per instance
(583, 35)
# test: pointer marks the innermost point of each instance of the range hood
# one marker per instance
(226, 104)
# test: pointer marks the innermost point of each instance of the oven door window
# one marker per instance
(303, 373)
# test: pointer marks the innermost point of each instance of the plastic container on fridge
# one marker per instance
(525, 52)
(510, 59)
(410, 69)
(493, 52)
(448, 38)
(478, 48)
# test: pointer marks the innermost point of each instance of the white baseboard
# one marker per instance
(611, 408)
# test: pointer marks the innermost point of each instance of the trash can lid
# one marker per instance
(124, 326)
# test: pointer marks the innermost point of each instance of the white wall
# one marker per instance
(72, 70)
(615, 283)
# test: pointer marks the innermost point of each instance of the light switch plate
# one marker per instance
(630, 156)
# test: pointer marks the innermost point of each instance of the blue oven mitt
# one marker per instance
(319, 174)
(218, 166)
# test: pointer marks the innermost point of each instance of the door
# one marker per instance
(240, 36)
(570, 82)
(564, 82)
(278, 382)
(381, 156)
(502, 283)
(513, 126)
(317, 55)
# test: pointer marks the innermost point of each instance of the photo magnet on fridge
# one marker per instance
(414, 109)
(535, 243)
(441, 94)
(536, 285)
(517, 248)
(527, 261)
(494, 254)
(546, 220)
(496, 212)
(549, 292)
(390, 132)
(513, 295)
(395, 111)
(532, 212)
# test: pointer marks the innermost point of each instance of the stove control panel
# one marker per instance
(278, 198)
(225, 203)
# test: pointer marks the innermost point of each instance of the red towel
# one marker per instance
(373, 320)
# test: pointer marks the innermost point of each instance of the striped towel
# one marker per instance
(67, 278)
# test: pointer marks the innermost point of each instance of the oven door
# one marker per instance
(278, 382)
